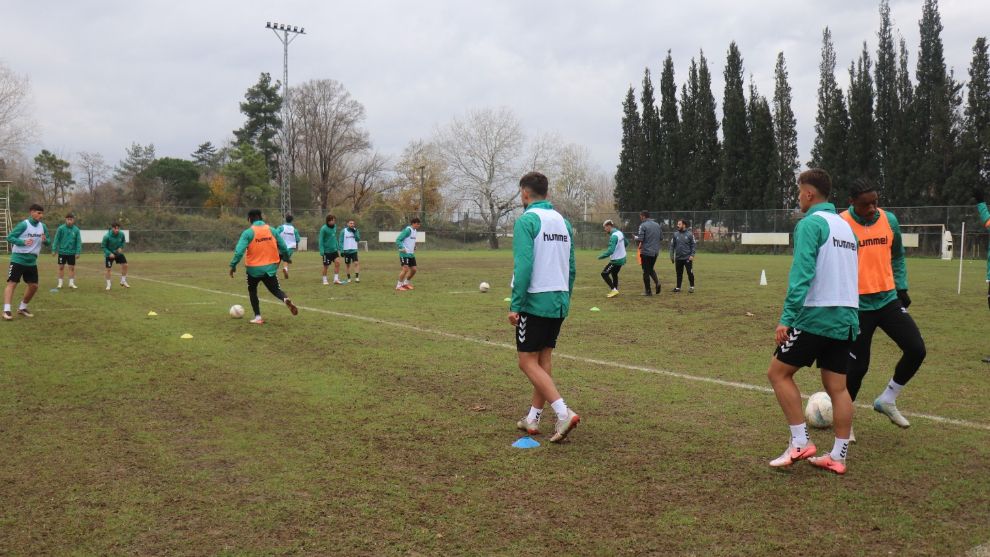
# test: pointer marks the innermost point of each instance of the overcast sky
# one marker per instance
(105, 73)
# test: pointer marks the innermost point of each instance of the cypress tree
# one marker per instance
(670, 174)
(684, 193)
(762, 170)
(705, 171)
(887, 104)
(900, 188)
(832, 121)
(978, 111)
(785, 140)
(826, 93)
(862, 145)
(627, 176)
(732, 192)
(650, 158)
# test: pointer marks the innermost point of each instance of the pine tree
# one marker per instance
(762, 169)
(684, 192)
(732, 192)
(887, 104)
(785, 140)
(670, 138)
(862, 144)
(899, 190)
(627, 175)
(207, 157)
(832, 121)
(650, 168)
(261, 106)
(826, 93)
(978, 111)
(702, 149)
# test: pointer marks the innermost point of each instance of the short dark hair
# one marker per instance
(254, 214)
(644, 213)
(115, 224)
(861, 186)
(35, 207)
(330, 217)
(686, 222)
(70, 216)
(288, 217)
(536, 183)
(414, 220)
(818, 179)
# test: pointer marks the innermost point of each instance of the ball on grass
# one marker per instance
(237, 311)
(818, 412)
(484, 287)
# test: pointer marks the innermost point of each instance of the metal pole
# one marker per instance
(285, 197)
(962, 248)
(422, 192)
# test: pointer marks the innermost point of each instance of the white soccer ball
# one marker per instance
(484, 287)
(237, 311)
(818, 412)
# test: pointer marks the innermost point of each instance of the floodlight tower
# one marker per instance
(286, 34)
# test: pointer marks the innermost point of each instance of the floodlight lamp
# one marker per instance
(268, 24)
(302, 29)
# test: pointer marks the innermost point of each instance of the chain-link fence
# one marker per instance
(212, 229)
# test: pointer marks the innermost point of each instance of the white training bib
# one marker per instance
(289, 235)
(836, 282)
(350, 241)
(409, 242)
(36, 233)
(551, 254)
(620, 245)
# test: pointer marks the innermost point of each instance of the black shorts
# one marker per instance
(67, 259)
(534, 333)
(29, 273)
(350, 258)
(328, 258)
(117, 258)
(407, 261)
(802, 348)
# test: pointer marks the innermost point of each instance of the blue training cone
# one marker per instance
(526, 442)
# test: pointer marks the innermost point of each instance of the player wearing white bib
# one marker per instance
(406, 242)
(616, 254)
(542, 281)
(290, 236)
(25, 240)
(349, 238)
(820, 321)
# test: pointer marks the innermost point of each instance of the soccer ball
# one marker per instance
(237, 311)
(818, 412)
(484, 287)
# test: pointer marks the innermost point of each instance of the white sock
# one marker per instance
(398, 284)
(60, 283)
(336, 276)
(534, 414)
(123, 279)
(6, 307)
(23, 305)
(108, 283)
(799, 434)
(560, 408)
(71, 282)
(839, 449)
(405, 281)
(889, 395)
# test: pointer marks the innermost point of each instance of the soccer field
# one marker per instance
(378, 422)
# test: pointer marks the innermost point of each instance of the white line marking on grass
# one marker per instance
(582, 359)
(510, 292)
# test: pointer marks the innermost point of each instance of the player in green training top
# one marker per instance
(349, 238)
(543, 274)
(406, 242)
(290, 236)
(616, 254)
(261, 250)
(67, 246)
(26, 238)
(330, 249)
(113, 252)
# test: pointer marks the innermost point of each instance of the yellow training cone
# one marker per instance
(187, 335)
(152, 314)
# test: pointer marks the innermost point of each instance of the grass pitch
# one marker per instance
(379, 422)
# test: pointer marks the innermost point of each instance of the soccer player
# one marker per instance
(349, 238)
(67, 246)
(26, 240)
(616, 254)
(406, 242)
(330, 249)
(883, 298)
(682, 250)
(261, 250)
(542, 282)
(113, 252)
(290, 236)
(819, 321)
(649, 237)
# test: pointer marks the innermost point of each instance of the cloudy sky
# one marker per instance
(105, 73)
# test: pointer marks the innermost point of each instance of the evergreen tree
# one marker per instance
(53, 176)
(826, 93)
(670, 138)
(785, 140)
(887, 104)
(978, 113)
(862, 144)
(138, 157)
(684, 194)
(627, 175)
(261, 107)
(702, 149)
(733, 191)
(899, 189)
(206, 157)
(762, 172)
(832, 121)
(651, 193)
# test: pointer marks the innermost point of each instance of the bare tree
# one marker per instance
(16, 128)
(93, 171)
(483, 151)
(326, 124)
(366, 176)
(421, 173)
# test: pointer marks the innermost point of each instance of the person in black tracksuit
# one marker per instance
(682, 250)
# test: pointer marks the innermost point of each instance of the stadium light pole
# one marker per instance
(286, 34)
(422, 192)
